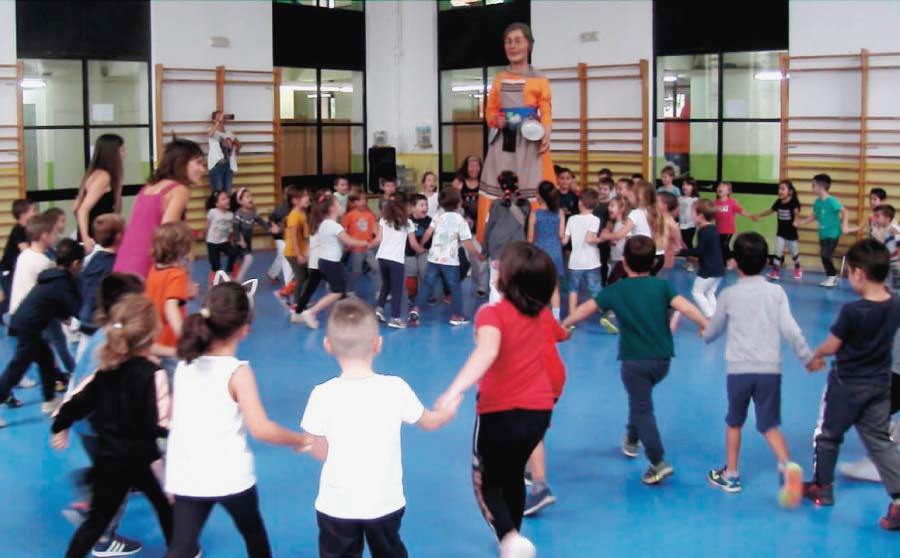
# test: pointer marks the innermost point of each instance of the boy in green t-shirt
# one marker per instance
(642, 304)
(829, 213)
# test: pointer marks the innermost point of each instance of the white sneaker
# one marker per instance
(310, 320)
(49, 407)
(515, 545)
(895, 431)
(863, 470)
(27, 383)
(830, 282)
(826, 282)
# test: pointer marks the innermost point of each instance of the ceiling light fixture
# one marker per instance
(33, 83)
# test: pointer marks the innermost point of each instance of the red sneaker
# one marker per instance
(798, 274)
(891, 521)
(775, 274)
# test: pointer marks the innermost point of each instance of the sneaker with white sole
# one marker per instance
(3, 423)
(305, 318)
(76, 513)
(655, 474)
(609, 326)
(379, 313)
(791, 491)
(536, 501)
(27, 383)
(515, 545)
(50, 407)
(458, 320)
(862, 470)
(719, 479)
(396, 323)
(629, 448)
(116, 546)
(830, 281)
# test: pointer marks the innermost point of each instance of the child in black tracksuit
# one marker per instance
(858, 393)
(55, 297)
(127, 402)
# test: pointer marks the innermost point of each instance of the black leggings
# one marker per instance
(895, 393)
(503, 443)
(605, 252)
(113, 481)
(191, 514)
(392, 276)
(687, 237)
(343, 538)
(725, 242)
(215, 253)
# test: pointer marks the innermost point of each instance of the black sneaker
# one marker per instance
(12, 402)
(819, 494)
(116, 546)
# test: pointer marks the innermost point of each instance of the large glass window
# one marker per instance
(67, 105)
(323, 122)
(463, 94)
(718, 117)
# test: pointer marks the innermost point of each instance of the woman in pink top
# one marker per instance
(726, 209)
(161, 201)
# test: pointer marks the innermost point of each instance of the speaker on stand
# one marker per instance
(382, 164)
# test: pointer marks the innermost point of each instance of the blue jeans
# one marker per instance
(450, 275)
(220, 177)
(57, 339)
(579, 278)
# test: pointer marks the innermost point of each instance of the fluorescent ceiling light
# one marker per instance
(670, 79)
(332, 88)
(768, 75)
(461, 88)
(33, 83)
(668, 98)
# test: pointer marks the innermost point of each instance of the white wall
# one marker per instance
(827, 27)
(401, 81)
(180, 38)
(7, 56)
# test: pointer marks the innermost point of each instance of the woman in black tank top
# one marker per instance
(101, 187)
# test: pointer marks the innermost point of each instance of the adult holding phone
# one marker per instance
(222, 153)
(101, 188)
(162, 200)
(519, 114)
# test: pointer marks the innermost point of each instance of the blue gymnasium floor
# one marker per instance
(602, 508)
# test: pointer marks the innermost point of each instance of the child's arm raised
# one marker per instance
(487, 346)
(244, 391)
(684, 306)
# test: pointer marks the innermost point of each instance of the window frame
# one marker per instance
(319, 4)
(444, 175)
(765, 188)
(70, 193)
(319, 124)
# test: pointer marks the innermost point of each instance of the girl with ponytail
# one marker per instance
(208, 459)
(128, 403)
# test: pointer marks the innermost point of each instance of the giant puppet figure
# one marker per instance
(519, 115)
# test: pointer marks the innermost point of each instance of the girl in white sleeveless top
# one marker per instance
(208, 460)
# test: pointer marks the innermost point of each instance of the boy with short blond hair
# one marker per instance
(356, 419)
(40, 230)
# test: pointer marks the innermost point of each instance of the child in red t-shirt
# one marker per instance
(540, 496)
(515, 391)
(726, 209)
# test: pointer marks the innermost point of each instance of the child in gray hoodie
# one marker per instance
(756, 315)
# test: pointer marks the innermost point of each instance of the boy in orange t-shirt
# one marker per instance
(360, 223)
(169, 286)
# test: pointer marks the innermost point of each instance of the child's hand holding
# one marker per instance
(60, 440)
(816, 364)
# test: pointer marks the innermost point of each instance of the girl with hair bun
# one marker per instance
(128, 403)
(208, 460)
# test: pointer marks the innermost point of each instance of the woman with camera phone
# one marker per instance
(222, 153)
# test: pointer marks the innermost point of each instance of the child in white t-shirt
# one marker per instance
(584, 261)
(394, 231)
(355, 421)
(41, 233)
(450, 230)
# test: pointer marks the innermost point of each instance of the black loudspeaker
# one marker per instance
(382, 164)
